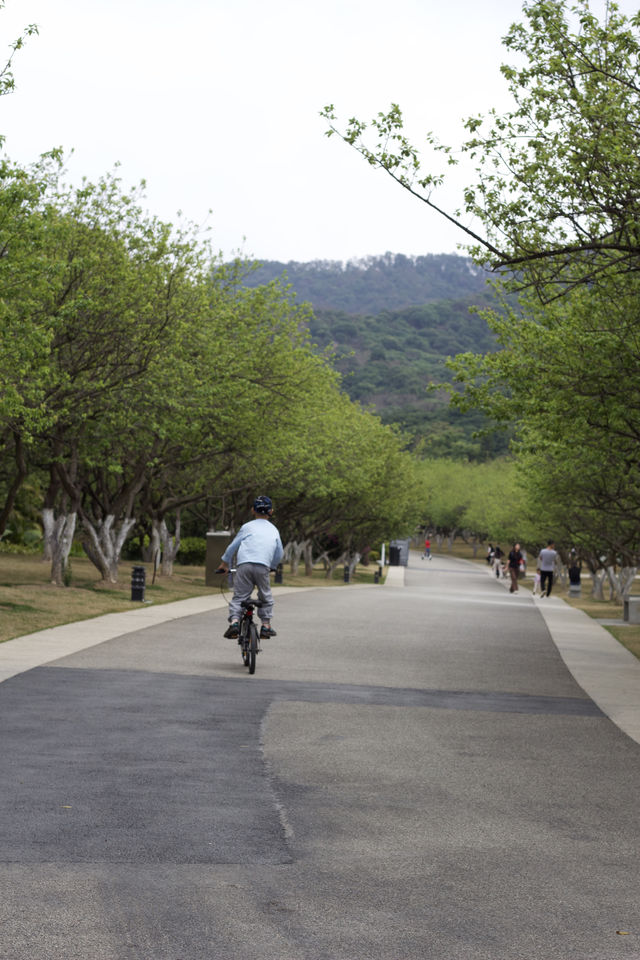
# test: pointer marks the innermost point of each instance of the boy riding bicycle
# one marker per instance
(259, 550)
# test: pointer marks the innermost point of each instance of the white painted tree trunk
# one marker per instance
(103, 544)
(333, 564)
(48, 524)
(60, 539)
(620, 581)
(170, 544)
(296, 554)
(597, 584)
(308, 558)
(153, 549)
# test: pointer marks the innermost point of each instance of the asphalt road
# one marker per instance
(411, 773)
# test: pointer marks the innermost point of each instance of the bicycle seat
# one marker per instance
(252, 603)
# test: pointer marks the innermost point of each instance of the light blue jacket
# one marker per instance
(257, 541)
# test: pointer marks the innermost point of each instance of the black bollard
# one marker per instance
(138, 578)
(278, 576)
(346, 573)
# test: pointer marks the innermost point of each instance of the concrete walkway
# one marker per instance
(605, 670)
(412, 774)
(34, 649)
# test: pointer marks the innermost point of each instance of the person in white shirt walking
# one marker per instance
(546, 566)
(259, 550)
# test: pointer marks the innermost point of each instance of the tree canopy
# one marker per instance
(556, 197)
(140, 375)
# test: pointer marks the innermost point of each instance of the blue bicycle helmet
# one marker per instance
(263, 505)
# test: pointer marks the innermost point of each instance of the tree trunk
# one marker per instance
(16, 483)
(308, 558)
(170, 544)
(152, 549)
(627, 578)
(60, 542)
(48, 524)
(597, 584)
(103, 544)
(333, 564)
(297, 551)
(621, 582)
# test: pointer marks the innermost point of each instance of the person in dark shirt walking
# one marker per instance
(515, 559)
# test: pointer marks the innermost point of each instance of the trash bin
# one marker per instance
(394, 556)
(217, 543)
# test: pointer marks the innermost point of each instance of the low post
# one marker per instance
(278, 576)
(346, 573)
(138, 581)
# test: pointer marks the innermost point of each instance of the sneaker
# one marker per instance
(266, 632)
(233, 631)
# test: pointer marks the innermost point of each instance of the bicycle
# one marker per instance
(249, 638)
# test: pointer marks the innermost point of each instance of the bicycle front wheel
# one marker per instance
(253, 647)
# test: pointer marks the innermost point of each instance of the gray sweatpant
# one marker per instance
(246, 577)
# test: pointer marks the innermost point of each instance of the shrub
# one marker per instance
(132, 549)
(19, 548)
(192, 552)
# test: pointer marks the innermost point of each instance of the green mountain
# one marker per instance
(373, 284)
(392, 322)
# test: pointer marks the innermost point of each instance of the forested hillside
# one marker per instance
(374, 284)
(400, 319)
(389, 360)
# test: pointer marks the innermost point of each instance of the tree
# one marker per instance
(557, 196)
(26, 332)
(567, 375)
(114, 288)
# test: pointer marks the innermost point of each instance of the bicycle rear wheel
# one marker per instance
(253, 647)
(245, 639)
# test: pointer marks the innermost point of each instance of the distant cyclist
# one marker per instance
(259, 550)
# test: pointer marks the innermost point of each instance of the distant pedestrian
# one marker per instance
(546, 566)
(575, 569)
(497, 561)
(515, 560)
(427, 549)
(490, 554)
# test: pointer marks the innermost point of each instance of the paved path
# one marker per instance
(412, 773)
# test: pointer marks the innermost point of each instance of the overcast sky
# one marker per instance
(215, 103)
